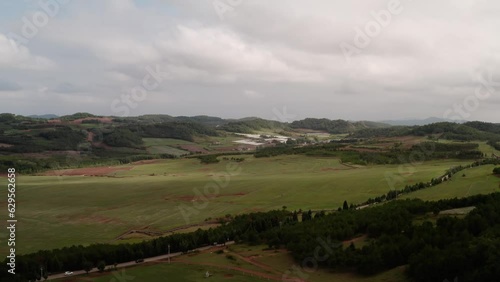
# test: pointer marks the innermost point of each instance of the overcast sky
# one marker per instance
(284, 60)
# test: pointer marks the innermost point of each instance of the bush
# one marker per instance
(496, 170)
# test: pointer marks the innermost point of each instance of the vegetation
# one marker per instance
(330, 181)
(122, 137)
(335, 126)
(464, 248)
(252, 125)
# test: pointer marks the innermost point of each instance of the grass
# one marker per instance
(61, 211)
(477, 180)
(483, 146)
(167, 272)
(164, 142)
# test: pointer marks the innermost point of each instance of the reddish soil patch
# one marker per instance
(3, 145)
(90, 171)
(54, 121)
(193, 148)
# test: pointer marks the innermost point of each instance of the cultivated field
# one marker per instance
(57, 211)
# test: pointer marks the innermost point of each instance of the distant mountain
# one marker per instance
(410, 122)
(47, 116)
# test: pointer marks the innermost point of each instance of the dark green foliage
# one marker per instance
(87, 266)
(7, 118)
(122, 137)
(335, 126)
(446, 130)
(345, 206)
(496, 170)
(178, 130)
(208, 159)
(76, 116)
(101, 265)
(251, 125)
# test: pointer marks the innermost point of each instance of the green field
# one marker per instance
(167, 272)
(164, 146)
(477, 180)
(62, 211)
(483, 146)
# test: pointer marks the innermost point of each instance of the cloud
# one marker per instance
(6, 85)
(67, 87)
(14, 56)
(286, 51)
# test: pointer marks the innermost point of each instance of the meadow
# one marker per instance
(58, 211)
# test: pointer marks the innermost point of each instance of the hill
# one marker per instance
(335, 126)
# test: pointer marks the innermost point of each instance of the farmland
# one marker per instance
(57, 211)
(136, 185)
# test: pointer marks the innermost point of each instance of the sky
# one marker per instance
(280, 60)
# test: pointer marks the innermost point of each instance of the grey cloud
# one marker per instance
(6, 85)
(285, 53)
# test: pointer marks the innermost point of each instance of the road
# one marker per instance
(132, 263)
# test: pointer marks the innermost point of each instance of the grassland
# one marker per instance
(165, 146)
(476, 180)
(57, 211)
(168, 272)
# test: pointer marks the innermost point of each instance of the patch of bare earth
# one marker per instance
(3, 145)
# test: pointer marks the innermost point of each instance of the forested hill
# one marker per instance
(468, 131)
(335, 126)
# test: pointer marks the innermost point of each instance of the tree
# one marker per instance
(101, 265)
(87, 266)
(496, 170)
(345, 206)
